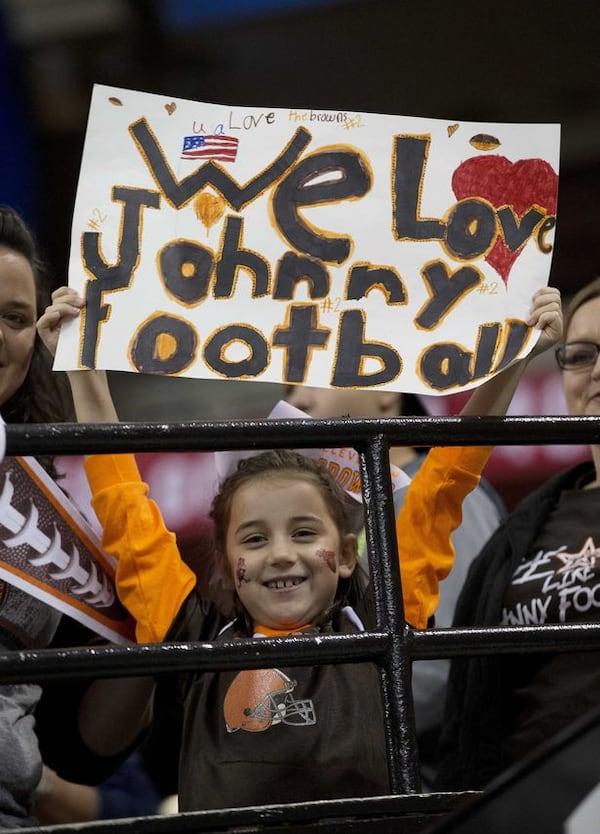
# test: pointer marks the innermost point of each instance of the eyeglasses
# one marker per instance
(574, 356)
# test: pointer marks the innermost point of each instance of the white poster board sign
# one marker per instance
(303, 246)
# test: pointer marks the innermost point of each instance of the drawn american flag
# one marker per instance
(219, 147)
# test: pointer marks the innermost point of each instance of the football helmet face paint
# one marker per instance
(259, 698)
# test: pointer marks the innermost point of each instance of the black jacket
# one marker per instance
(472, 736)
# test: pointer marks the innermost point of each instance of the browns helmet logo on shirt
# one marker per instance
(259, 698)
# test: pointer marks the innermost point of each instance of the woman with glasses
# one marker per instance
(541, 566)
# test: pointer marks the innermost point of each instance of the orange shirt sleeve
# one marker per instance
(152, 579)
(431, 512)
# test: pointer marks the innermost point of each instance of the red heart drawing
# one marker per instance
(522, 185)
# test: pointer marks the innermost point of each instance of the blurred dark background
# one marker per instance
(505, 62)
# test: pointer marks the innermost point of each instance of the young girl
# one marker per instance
(288, 555)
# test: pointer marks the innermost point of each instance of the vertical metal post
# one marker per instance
(387, 588)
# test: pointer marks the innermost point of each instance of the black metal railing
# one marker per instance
(392, 645)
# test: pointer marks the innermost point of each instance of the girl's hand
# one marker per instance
(66, 305)
(546, 315)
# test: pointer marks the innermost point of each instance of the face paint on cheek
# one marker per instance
(241, 572)
(330, 559)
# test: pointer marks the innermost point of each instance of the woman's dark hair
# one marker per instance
(280, 461)
(43, 396)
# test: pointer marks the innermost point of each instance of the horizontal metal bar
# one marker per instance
(375, 813)
(75, 438)
(147, 659)
(452, 642)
